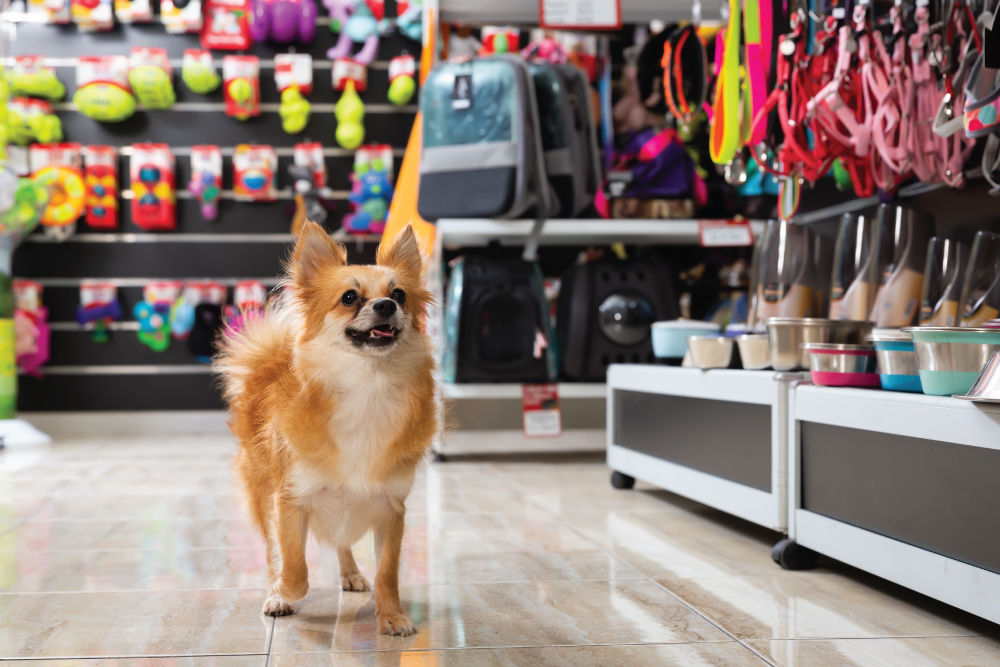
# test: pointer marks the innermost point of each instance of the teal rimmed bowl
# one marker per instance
(950, 359)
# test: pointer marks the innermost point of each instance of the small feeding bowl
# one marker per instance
(987, 387)
(951, 359)
(842, 364)
(754, 351)
(787, 334)
(710, 351)
(670, 336)
(897, 361)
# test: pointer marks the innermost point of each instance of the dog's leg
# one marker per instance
(291, 521)
(351, 578)
(388, 542)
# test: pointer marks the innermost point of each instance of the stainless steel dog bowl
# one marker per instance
(951, 359)
(842, 365)
(754, 351)
(786, 335)
(710, 351)
(987, 387)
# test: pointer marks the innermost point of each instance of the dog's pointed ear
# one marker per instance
(402, 253)
(314, 250)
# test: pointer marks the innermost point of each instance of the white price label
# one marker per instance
(580, 14)
(724, 233)
(541, 411)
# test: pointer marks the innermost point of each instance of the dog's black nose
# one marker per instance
(384, 307)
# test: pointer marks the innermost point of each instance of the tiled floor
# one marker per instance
(137, 552)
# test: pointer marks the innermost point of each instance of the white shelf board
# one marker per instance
(461, 231)
(514, 442)
(741, 386)
(914, 415)
(513, 390)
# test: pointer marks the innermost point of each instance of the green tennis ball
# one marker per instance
(152, 86)
(240, 90)
(200, 78)
(19, 131)
(350, 135)
(105, 102)
(47, 128)
(401, 90)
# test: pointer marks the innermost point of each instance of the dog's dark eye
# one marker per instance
(350, 298)
(399, 296)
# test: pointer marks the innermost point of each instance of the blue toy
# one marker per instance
(371, 196)
(356, 21)
(154, 326)
(409, 22)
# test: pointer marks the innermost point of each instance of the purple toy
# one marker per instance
(356, 21)
(283, 21)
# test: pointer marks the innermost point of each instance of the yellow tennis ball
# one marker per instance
(240, 90)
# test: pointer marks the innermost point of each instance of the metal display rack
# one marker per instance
(582, 403)
(718, 437)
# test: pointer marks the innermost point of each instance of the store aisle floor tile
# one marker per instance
(138, 552)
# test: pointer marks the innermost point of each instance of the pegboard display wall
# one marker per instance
(247, 241)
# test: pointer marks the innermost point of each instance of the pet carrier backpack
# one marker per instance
(605, 310)
(563, 157)
(497, 323)
(578, 91)
(481, 155)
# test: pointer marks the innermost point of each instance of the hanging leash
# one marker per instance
(724, 137)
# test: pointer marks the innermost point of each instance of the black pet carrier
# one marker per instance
(496, 323)
(605, 309)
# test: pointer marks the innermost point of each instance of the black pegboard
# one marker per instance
(80, 383)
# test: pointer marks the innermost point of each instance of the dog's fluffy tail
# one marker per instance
(249, 363)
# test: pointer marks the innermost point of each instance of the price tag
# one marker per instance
(580, 14)
(540, 409)
(724, 233)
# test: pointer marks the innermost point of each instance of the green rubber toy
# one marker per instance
(44, 84)
(350, 113)
(104, 102)
(152, 86)
(294, 110)
(840, 175)
(30, 199)
(18, 130)
(200, 78)
(47, 128)
(401, 90)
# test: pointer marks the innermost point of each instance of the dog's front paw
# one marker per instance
(275, 605)
(291, 590)
(397, 624)
(354, 581)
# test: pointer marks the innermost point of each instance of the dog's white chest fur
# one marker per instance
(343, 504)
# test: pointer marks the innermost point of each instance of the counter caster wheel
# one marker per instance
(440, 458)
(793, 556)
(620, 480)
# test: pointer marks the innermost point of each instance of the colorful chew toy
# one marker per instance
(68, 195)
(294, 110)
(350, 113)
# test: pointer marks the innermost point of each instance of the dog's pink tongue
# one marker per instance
(376, 333)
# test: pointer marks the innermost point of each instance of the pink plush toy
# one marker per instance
(283, 21)
(356, 21)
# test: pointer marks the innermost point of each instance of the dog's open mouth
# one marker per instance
(378, 336)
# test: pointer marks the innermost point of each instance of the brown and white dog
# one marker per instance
(331, 396)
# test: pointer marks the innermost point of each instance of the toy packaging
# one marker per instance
(153, 313)
(181, 16)
(402, 85)
(293, 76)
(498, 40)
(241, 86)
(152, 175)
(102, 88)
(100, 165)
(50, 11)
(32, 121)
(93, 15)
(31, 329)
(59, 168)
(206, 179)
(227, 25)
(99, 306)
(356, 21)
(29, 76)
(249, 299)
(255, 172)
(198, 71)
(208, 299)
(308, 172)
(283, 21)
(150, 76)
(371, 191)
(346, 71)
(133, 11)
